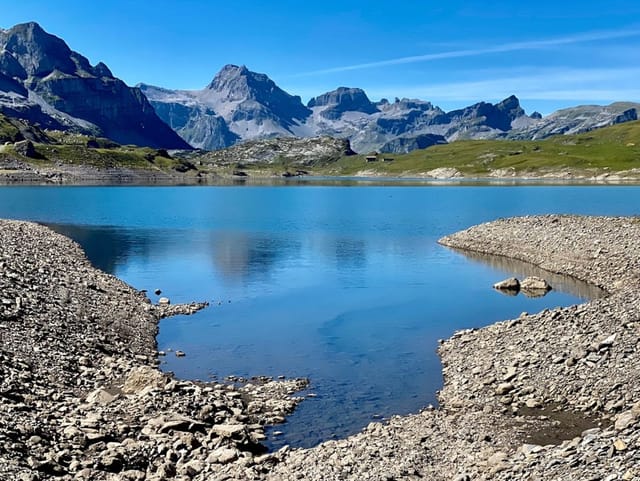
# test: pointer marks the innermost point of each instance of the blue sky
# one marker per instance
(453, 53)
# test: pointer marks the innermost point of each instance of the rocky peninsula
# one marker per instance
(552, 395)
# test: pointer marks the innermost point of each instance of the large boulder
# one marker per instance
(25, 148)
(142, 379)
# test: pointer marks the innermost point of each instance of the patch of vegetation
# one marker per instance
(15, 130)
(9, 132)
(107, 158)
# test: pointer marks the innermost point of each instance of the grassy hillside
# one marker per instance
(613, 149)
(14, 130)
(65, 148)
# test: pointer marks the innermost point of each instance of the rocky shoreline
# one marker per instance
(215, 169)
(552, 395)
(548, 396)
(80, 394)
(21, 173)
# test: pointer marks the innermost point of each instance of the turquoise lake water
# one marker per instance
(345, 285)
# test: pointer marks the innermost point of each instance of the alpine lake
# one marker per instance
(341, 282)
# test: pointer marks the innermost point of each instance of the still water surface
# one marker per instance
(343, 285)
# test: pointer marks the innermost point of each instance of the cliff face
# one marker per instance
(42, 80)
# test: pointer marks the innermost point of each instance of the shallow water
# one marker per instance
(344, 285)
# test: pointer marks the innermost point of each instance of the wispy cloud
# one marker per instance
(507, 47)
(548, 84)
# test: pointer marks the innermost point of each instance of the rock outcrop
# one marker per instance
(290, 150)
(533, 283)
(510, 284)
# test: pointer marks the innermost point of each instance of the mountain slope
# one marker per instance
(579, 119)
(42, 80)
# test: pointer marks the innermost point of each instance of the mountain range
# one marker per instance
(46, 83)
(240, 105)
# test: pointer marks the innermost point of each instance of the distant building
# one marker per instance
(372, 157)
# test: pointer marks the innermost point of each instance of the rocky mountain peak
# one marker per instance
(59, 88)
(496, 116)
(412, 104)
(239, 84)
(31, 31)
(228, 74)
(341, 100)
(348, 99)
(101, 70)
(39, 52)
(511, 107)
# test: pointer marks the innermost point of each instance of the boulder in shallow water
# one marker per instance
(511, 284)
(533, 283)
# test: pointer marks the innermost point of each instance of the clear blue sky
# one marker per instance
(551, 54)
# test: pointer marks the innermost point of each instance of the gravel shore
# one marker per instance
(80, 396)
(548, 396)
